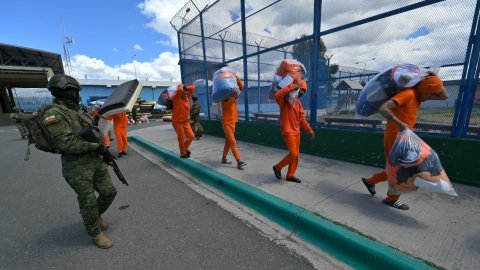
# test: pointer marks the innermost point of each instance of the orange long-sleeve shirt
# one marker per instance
(119, 119)
(291, 118)
(229, 107)
(181, 107)
(406, 111)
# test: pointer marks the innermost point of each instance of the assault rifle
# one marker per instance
(89, 136)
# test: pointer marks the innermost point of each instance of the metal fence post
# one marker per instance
(180, 56)
(244, 44)
(472, 64)
(205, 65)
(258, 75)
(223, 49)
(316, 33)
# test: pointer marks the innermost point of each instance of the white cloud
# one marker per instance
(115, 49)
(161, 12)
(163, 68)
(173, 42)
(384, 39)
(137, 47)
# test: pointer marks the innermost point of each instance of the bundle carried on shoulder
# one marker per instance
(413, 166)
(386, 85)
(164, 101)
(97, 104)
(224, 80)
(288, 71)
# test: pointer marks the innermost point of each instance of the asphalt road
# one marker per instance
(155, 223)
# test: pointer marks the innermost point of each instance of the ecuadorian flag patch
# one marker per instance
(50, 119)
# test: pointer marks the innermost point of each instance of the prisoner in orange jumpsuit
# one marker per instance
(229, 118)
(120, 123)
(401, 113)
(291, 118)
(180, 116)
(107, 139)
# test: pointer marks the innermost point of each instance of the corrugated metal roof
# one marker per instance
(346, 85)
(11, 55)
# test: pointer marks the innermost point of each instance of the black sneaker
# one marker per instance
(397, 204)
(370, 188)
(294, 179)
(241, 164)
(119, 155)
(188, 153)
(185, 156)
(124, 153)
(278, 173)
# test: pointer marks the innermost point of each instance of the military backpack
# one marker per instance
(38, 133)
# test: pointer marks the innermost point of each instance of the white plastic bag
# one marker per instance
(224, 80)
(164, 101)
(287, 72)
(386, 85)
(413, 166)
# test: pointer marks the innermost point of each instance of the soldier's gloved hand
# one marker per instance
(101, 149)
(107, 160)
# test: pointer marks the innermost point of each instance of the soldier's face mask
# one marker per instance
(72, 95)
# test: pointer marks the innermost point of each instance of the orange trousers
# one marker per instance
(230, 143)
(121, 134)
(183, 129)
(382, 176)
(293, 144)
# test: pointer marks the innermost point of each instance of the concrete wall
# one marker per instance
(459, 156)
(5, 119)
(103, 88)
(148, 93)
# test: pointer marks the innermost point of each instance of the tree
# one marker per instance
(306, 48)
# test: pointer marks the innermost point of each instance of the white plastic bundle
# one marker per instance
(413, 166)
(287, 72)
(224, 80)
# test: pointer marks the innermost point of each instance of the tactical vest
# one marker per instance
(17, 116)
(40, 137)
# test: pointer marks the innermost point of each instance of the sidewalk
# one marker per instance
(438, 228)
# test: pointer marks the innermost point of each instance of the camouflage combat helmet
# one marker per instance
(63, 81)
(195, 96)
(15, 109)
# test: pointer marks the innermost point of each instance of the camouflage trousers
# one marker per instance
(85, 180)
(23, 130)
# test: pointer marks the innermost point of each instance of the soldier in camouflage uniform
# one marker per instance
(195, 117)
(82, 167)
(17, 116)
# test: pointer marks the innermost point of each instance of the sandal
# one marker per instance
(224, 160)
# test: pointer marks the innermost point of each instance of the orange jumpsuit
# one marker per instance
(406, 112)
(120, 122)
(229, 118)
(107, 139)
(180, 116)
(291, 118)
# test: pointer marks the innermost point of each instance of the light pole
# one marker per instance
(365, 64)
(133, 57)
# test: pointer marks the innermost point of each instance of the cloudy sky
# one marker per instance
(108, 34)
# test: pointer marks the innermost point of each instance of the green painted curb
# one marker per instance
(355, 250)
